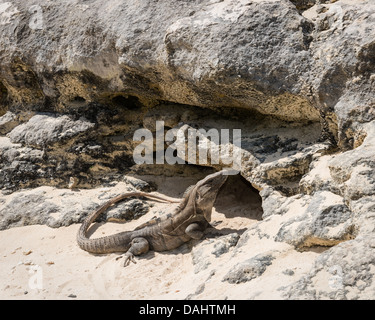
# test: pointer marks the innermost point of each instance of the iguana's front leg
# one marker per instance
(138, 246)
(195, 231)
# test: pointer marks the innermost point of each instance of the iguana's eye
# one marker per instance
(199, 211)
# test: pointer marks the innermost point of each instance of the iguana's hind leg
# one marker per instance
(138, 246)
(194, 230)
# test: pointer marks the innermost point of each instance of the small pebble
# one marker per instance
(288, 272)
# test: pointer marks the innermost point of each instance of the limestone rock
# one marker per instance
(203, 253)
(341, 273)
(354, 169)
(63, 207)
(7, 122)
(326, 221)
(27, 210)
(224, 244)
(45, 129)
(249, 269)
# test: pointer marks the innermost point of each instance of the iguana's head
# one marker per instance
(206, 191)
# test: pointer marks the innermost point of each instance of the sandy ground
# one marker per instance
(38, 262)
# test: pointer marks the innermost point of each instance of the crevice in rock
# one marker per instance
(127, 102)
(351, 139)
(3, 98)
(77, 101)
(238, 203)
(366, 56)
(317, 244)
(303, 5)
(286, 178)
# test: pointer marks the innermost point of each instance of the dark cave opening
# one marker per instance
(238, 205)
(127, 102)
(3, 98)
(238, 197)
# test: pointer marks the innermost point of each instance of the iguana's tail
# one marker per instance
(119, 242)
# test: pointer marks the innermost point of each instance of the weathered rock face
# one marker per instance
(249, 269)
(77, 78)
(60, 207)
(199, 55)
(249, 54)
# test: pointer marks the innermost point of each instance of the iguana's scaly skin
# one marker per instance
(188, 221)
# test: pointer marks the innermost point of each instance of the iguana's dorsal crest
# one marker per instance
(188, 189)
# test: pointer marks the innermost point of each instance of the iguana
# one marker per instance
(188, 221)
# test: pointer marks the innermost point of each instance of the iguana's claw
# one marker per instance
(129, 257)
